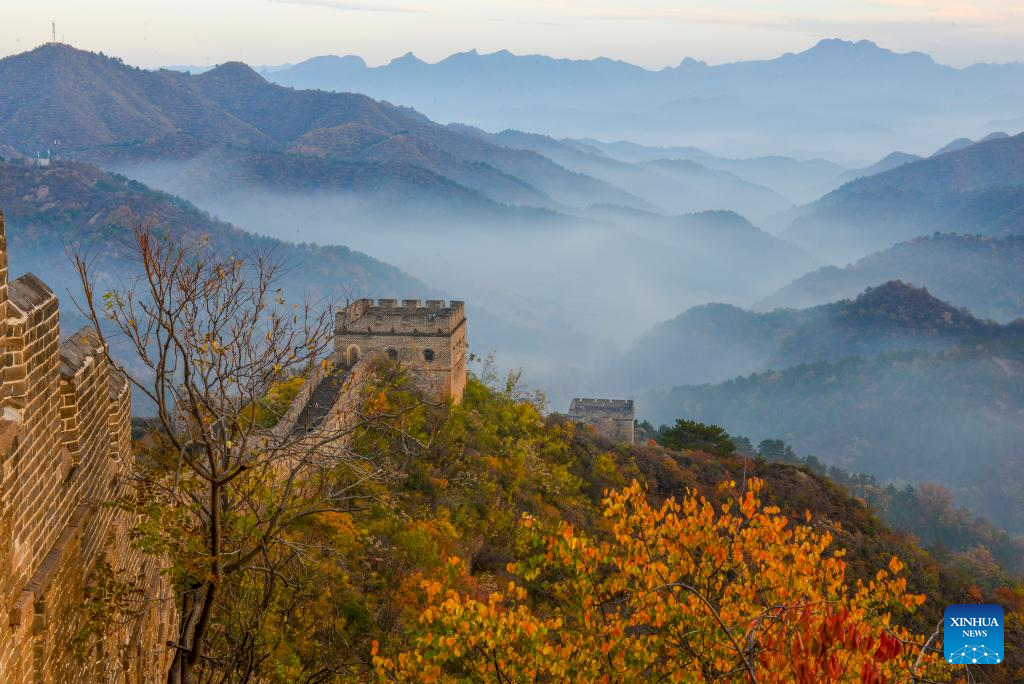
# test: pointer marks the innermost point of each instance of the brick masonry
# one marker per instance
(65, 439)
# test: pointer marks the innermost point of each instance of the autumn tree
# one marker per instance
(685, 591)
(228, 477)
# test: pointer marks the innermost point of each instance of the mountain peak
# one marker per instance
(51, 53)
(838, 49)
(837, 44)
(691, 63)
(955, 146)
(238, 73)
(347, 60)
(904, 303)
(407, 58)
(58, 49)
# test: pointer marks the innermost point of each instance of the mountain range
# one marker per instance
(984, 274)
(800, 180)
(100, 109)
(717, 342)
(926, 388)
(489, 217)
(568, 245)
(854, 98)
(974, 189)
(73, 206)
(228, 126)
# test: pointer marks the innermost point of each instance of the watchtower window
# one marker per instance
(428, 355)
(392, 353)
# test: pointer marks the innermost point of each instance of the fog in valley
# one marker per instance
(561, 296)
(785, 248)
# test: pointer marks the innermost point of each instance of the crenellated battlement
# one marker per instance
(408, 316)
(603, 403)
(65, 435)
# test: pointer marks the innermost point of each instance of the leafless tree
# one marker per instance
(230, 470)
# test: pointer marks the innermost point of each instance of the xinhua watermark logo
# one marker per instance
(973, 634)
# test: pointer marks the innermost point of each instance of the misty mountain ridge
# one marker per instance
(895, 382)
(802, 99)
(953, 414)
(103, 110)
(799, 180)
(886, 163)
(77, 206)
(683, 180)
(715, 342)
(962, 143)
(984, 274)
(507, 228)
(976, 189)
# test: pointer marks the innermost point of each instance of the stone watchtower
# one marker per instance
(429, 341)
(612, 418)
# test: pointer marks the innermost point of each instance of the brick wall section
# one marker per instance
(64, 438)
(38, 464)
(3, 302)
(120, 415)
(345, 413)
(430, 340)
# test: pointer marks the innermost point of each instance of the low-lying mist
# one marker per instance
(559, 296)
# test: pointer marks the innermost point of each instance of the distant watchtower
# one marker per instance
(612, 418)
(429, 341)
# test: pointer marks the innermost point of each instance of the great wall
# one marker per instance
(66, 451)
(65, 441)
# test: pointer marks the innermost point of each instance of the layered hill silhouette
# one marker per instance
(886, 163)
(984, 274)
(675, 182)
(704, 252)
(924, 388)
(954, 416)
(716, 342)
(800, 180)
(76, 206)
(975, 189)
(100, 109)
(856, 96)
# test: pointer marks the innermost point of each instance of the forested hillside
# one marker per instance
(75, 206)
(973, 190)
(954, 415)
(984, 274)
(448, 528)
(100, 109)
(717, 342)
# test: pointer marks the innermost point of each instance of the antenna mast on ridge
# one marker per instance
(53, 26)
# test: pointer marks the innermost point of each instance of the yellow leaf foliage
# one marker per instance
(683, 592)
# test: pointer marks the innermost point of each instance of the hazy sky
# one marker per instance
(652, 33)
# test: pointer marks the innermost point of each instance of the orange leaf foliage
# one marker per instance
(685, 592)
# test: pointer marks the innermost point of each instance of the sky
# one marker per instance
(651, 33)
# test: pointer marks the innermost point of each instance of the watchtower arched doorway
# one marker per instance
(352, 355)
